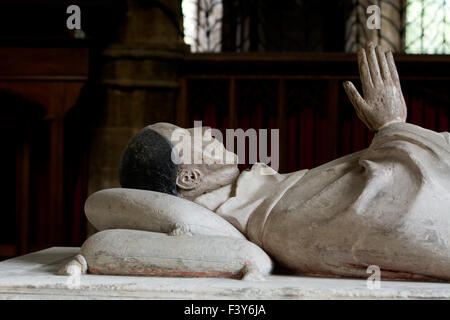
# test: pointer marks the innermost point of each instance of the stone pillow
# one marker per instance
(145, 210)
(133, 252)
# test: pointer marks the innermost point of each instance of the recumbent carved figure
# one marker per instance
(387, 205)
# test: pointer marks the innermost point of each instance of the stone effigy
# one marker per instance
(387, 205)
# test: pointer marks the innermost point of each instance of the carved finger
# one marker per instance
(361, 107)
(181, 230)
(393, 69)
(373, 64)
(364, 72)
(385, 73)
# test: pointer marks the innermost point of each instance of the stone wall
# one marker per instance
(138, 77)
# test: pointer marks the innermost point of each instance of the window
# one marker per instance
(428, 27)
(202, 21)
(410, 26)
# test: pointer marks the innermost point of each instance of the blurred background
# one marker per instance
(71, 99)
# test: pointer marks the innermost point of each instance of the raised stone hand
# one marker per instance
(383, 101)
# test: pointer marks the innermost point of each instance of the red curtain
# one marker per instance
(307, 137)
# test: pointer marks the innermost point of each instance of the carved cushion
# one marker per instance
(122, 208)
(132, 252)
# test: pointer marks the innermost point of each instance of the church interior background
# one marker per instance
(70, 100)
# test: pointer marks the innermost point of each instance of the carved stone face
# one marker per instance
(205, 164)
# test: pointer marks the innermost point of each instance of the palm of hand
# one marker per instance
(383, 101)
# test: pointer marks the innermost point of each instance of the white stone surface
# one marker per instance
(33, 276)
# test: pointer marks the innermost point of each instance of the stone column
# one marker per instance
(138, 83)
(390, 36)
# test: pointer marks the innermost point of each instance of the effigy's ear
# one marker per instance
(189, 178)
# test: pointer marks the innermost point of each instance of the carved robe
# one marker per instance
(388, 205)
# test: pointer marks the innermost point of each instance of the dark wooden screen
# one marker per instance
(38, 87)
(302, 95)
